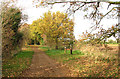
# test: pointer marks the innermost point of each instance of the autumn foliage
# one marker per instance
(11, 37)
(56, 27)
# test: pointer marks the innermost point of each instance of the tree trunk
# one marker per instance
(70, 49)
(118, 40)
(56, 47)
(105, 45)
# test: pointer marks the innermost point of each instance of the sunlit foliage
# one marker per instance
(56, 27)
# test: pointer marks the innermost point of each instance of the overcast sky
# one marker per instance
(81, 24)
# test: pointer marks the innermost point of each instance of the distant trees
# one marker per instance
(25, 29)
(111, 41)
(102, 35)
(11, 37)
(31, 34)
(35, 33)
(55, 27)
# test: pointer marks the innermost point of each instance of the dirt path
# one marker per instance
(43, 66)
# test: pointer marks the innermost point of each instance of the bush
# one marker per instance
(11, 18)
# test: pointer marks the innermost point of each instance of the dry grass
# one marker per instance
(113, 45)
(93, 62)
(96, 62)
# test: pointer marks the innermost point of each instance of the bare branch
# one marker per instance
(96, 9)
(72, 2)
(108, 6)
(104, 16)
(54, 2)
(80, 7)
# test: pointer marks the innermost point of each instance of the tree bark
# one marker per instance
(56, 47)
(71, 49)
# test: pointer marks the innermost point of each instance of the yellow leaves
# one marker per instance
(88, 35)
(65, 32)
(53, 25)
(114, 9)
(112, 27)
(41, 2)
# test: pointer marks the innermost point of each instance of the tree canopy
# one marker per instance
(55, 27)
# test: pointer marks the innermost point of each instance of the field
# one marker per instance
(89, 61)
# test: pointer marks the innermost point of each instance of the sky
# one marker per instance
(81, 24)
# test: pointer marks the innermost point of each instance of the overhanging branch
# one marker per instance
(72, 2)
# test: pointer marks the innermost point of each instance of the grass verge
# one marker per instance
(61, 56)
(14, 67)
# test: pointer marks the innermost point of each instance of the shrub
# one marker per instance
(11, 18)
